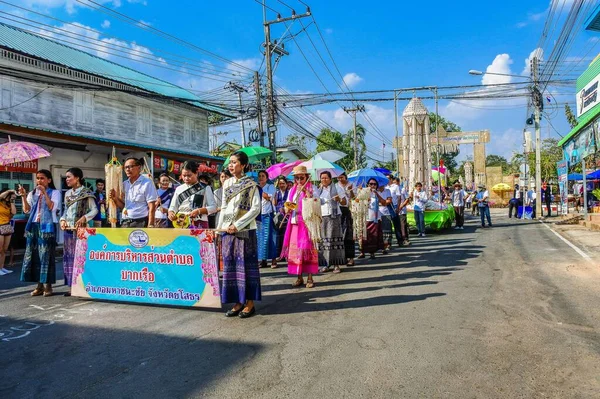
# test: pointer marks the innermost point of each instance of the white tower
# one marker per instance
(416, 143)
(469, 175)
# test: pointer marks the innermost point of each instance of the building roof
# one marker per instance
(593, 21)
(48, 50)
(582, 122)
(589, 74)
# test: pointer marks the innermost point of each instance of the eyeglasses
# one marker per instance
(299, 177)
(131, 166)
(372, 184)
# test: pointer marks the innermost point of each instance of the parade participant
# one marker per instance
(403, 201)
(374, 239)
(264, 229)
(165, 195)
(240, 206)
(290, 184)
(458, 202)
(39, 263)
(80, 208)
(224, 175)
(100, 196)
(193, 198)
(347, 223)
(138, 200)
(515, 202)
(420, 198)
(482, 203)
(331, 248)
(7, 211)
(394, 189)
(469, 201)
(279, 220)
(298, 248)
(386, 217)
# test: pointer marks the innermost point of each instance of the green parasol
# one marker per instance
(255, 154)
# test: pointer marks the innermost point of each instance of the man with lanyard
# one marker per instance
(482, 203)
(395, 192)
(138, 200)
(165, 195)
(515, 202)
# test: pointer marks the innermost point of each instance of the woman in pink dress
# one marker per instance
(298, 249)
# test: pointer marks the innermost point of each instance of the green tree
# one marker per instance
(297, 140)
(550, 154)
(570, 117)
(497, 160)
(333, 140)
(449, 159)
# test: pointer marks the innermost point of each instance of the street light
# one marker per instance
(479, 73)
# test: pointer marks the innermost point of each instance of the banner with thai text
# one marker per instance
(563, 170)
(157, 266)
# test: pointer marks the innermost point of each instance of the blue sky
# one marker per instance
(376, 45)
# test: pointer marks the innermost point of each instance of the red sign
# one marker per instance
(24, 167)
(156, 162)
(176, 167)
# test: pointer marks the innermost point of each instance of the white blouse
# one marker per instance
(230, 209)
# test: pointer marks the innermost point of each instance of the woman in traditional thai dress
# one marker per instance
(347, 223)
(279, 220)
(302, 256)
(240, 206)
(165, 194)
(331, 248)
(39, 263)
(264, 229)
(7, 211)
(193, 198)
(374, 240)
(80, 208)
(386, 217)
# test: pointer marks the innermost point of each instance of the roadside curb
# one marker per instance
(583, 253)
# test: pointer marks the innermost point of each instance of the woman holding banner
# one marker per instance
(80, 208)
(240, 206)
(193, 198)
(39, 264)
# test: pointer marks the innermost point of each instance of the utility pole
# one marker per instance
(353, 111)
(239, 90)
(259, 116)
(538, 104)
(271, 48)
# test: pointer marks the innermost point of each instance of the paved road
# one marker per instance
(505, 312)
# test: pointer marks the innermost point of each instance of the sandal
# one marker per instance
(48, 292)
(337, 270)
(324, 269)
(310, 283)
(274, 265)
(38, 291)
(298, 283)
(361, 256)
(351, 263)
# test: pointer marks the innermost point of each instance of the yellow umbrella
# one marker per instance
(501, 187)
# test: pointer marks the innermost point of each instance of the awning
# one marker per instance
(583, 122)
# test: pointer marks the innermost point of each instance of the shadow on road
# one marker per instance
(66, 360)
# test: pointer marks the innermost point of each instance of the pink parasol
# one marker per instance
(20, 151)
(282, 169)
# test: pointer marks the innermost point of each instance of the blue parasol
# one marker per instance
(360, 178)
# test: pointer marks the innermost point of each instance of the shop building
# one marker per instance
(79, 106)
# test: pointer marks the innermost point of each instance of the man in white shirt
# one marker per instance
(458, 202)
(420, 198)
(403, 200)
(138, 200)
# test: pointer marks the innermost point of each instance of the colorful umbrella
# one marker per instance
(384, 171)
(282, 169)
(255, 154)
(317, 166)
(361, 177)
(330, 155)
(501, 187)
(20, 151)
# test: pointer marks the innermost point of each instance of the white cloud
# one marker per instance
(71, 5)
(539, 53)
(105, 24)
(352, 79)
(531, 18)
(505, 143)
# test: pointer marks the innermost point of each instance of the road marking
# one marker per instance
(569, 243)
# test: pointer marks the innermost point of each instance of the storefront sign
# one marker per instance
(563, 170)
(23, 167)
(157, 266)
(588, 97)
